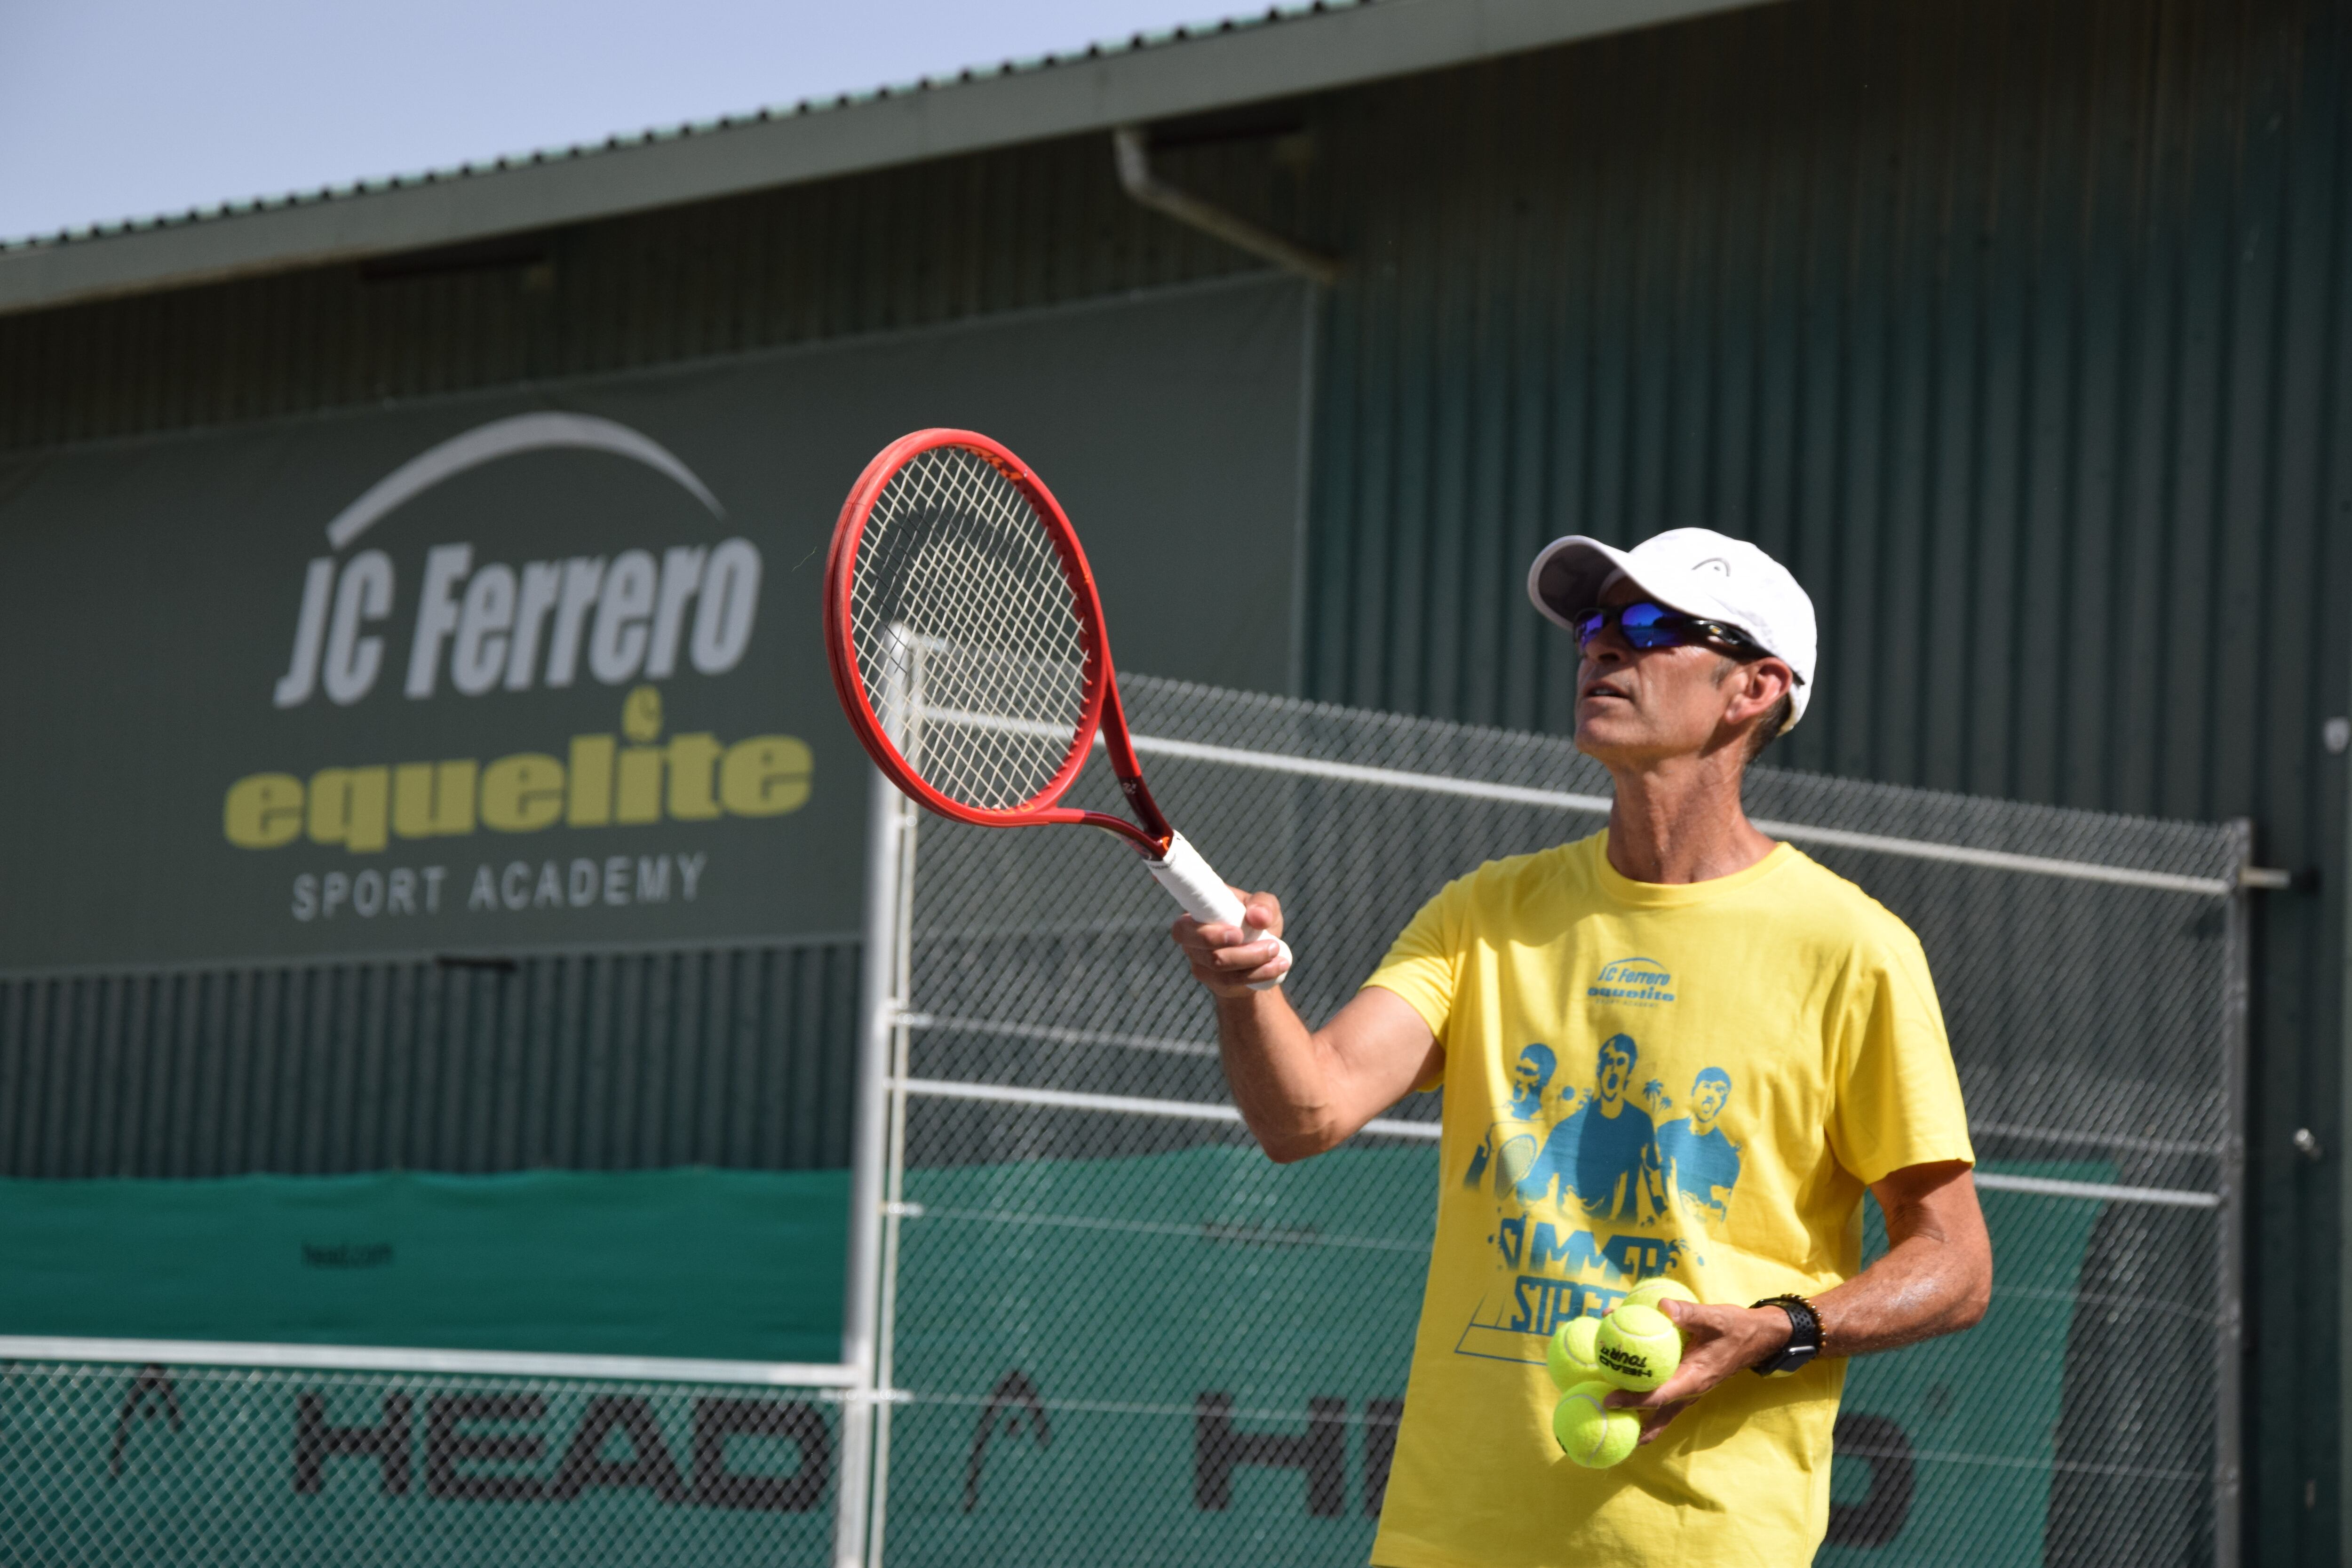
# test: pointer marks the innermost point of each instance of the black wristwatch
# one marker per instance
(1805, 1337)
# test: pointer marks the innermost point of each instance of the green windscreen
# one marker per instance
(1170, 1393)
(734, 1264)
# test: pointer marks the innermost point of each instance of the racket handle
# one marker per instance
(1205, 895)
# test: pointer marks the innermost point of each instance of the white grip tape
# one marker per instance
(1204, 894)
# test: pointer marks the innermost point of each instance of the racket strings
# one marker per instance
(966, 632)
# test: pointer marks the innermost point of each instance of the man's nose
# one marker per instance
(1608, 646)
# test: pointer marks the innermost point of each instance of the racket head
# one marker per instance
(956, 584)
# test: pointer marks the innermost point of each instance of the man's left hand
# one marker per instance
(1716, 1343)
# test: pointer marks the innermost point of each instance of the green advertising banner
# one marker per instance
(1169, 1369)
(543, 666)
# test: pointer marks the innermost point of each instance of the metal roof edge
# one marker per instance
(1308, 53)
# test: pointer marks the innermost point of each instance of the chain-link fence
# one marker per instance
(1118, 1333)
(1104, 1329)
(112, 1463)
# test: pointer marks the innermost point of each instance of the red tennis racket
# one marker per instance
(967, 645)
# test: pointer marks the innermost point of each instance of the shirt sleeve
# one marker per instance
(1425, 964)
(1896, 1093)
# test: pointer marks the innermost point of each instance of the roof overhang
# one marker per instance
(1308, 53)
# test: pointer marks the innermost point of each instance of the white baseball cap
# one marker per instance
(1698, 572)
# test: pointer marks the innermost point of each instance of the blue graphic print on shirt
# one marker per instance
(1604, 1154)
(1590, 1189)
(1700, 1162)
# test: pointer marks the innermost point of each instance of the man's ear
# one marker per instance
(1763, 682)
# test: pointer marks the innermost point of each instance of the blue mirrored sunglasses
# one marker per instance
(1645, 626)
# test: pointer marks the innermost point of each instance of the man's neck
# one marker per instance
(1680, 820)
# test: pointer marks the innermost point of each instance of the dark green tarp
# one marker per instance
(735, 1265)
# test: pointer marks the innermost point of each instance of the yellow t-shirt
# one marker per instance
(1697, 1080)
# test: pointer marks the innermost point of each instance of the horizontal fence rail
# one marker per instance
(1429, 1132)
(1597, 805)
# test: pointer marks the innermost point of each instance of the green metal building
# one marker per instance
(2021, 330)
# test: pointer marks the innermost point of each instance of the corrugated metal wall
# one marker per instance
(921, 245)
(2013, 328)
(2019, 328)
(726, 1056)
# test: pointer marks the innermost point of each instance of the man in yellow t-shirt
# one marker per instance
(1675, 1047)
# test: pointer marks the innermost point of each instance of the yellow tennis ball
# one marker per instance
(1650, 1292)
(1638, 1347)
(1570, 1356)
(1590, 1432)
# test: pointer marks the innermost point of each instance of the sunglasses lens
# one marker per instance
(1650, 625)
(1643, 624)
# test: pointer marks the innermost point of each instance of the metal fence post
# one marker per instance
(878, 1014)
(894, 1205)
(2229, 1229)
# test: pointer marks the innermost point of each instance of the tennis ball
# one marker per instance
(1650, 1292)
(1638, 1347)
(1569, 1355)
(1590, 1432)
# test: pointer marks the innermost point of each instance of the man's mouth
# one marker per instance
(1602, 688)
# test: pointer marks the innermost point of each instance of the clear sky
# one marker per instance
(116, 109)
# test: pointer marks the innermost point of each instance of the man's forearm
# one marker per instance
(1935, 1279)
(1301, 1090)
(1279, 1073)
(1913, 1293)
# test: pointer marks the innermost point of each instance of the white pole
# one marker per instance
(877, 1012)
(902, 991)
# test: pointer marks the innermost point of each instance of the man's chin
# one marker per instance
(1603, 740)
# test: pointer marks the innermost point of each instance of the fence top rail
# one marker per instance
(386, 1358)
(1594, 804)
(1586, 804)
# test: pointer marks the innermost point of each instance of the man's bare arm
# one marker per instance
(1937, 1276)
(1302, 1090)
(1935, 1279)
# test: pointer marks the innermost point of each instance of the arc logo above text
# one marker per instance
(489, 625)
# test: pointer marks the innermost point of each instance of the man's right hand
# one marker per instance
(1227, 959)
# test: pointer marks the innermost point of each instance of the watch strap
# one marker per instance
(1807, 1338)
